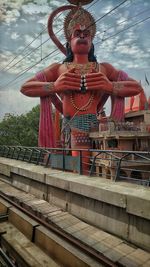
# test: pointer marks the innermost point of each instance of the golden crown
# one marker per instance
(81, 17)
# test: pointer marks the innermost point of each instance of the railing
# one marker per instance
(5, 260)
(131, 166)
(111, 126)
(57, 158)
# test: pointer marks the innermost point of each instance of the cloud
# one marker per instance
(14, 35)
(14, 97)
(32, 8)
(128, 50)
(107, 8)
(11, 16)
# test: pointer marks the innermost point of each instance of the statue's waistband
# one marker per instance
(82, 122)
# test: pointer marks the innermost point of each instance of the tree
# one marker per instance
(20, 130)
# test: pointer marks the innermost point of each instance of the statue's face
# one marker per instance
(81, 41)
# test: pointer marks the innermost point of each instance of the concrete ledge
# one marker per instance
(5, 169)
(19, 247)
(135, 199)
(139, 205)
(60, 250)
(119, 208)
(22, 222)
(92, 187)
(4, 206)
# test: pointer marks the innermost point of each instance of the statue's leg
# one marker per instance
(81, 140)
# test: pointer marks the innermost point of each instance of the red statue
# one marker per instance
(80, 86)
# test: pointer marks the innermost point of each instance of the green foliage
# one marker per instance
(20, 130)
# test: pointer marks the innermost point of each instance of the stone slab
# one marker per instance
(27, 253)
(65, 252)
(4, 206)
(5, 169)
(93, 187)
(108, 205)
(22, 222)
(139, 205)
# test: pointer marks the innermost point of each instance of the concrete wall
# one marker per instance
(117, 208)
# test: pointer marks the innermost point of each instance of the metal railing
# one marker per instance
(117, 165)
(5, 261)
(111, 126)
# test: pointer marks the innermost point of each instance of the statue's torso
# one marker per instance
(80, 103)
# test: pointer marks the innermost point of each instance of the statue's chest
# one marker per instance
(82, 68)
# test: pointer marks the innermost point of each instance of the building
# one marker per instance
(132, 135)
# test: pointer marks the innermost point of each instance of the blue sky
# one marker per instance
(117, 41)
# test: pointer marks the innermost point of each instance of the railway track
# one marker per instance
(80, 242)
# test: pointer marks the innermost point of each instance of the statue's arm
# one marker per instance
(56, 81)
(122, 84)
(42, 84)
(126, 88)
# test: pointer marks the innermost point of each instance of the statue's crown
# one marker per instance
(81, 19)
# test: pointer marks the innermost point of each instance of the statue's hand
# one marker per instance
(98, 81)
(68, 81)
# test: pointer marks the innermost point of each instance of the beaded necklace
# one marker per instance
(82, 69)
(86, 106)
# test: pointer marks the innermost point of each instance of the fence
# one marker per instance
(131, 166)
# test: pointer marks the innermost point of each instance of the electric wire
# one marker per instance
(106, 14)
(41, 49)
(21, 51)
(45, 28)
(27, 69)
(125, 6)
(48, 38)
(20, 74)
(129, 18)
(146, 10)
(62, 29)
(113, 35)
(30, 51)
(99, 18)
(39, 34)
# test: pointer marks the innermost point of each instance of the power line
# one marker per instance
(108, 13)
(94, 3)
(129, 18)
(62, 28)
(41, 51)
(39, 34)
(27, 69)
(22, 51)
(45, 28)
(20, 73)
(30, 53)
(114, 12)
(56, 33)
(139, 22)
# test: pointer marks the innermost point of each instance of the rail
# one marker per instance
(87, 249)
(5, 261)
(117, 165)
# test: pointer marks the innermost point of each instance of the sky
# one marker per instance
(122, 39)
